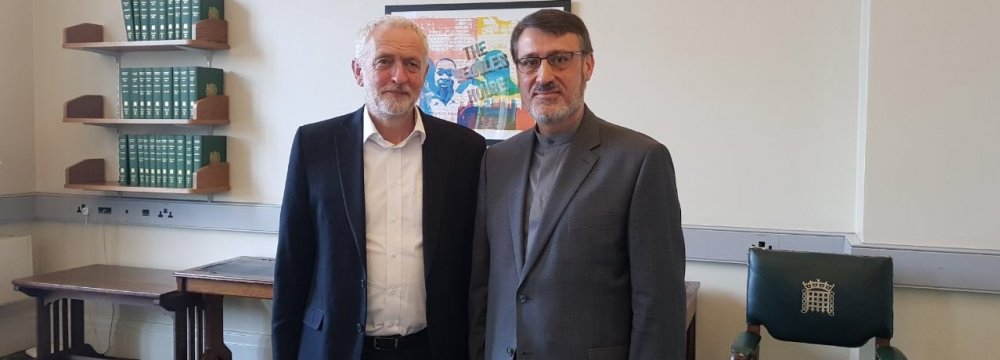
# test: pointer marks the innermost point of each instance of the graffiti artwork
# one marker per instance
(472, 80)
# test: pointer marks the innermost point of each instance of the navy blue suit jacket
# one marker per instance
(320, 300)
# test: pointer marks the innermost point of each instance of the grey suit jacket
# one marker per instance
(606, 278)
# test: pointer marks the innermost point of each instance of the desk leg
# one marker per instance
(181, 336)
(215, 347)
(76, 324)
(691, 331)
(43, 328)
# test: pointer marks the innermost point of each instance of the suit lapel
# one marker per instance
(436, 167)
(518, 164)
(580, 160)
(350, 167)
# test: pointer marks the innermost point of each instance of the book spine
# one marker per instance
(161, 19)
(147, 93)
(169, 161)
(171, 18)
(127, 15)
(143, 12)
(125, 84)
(168, 93)
(188, 161)
(123, 159)
(175, 85)
(186, 19)
(133, 161)
(142, 145)
(157, 74)
(195, 156)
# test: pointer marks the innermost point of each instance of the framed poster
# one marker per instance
(472, 80)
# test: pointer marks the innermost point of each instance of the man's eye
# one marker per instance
(559, 58)
(530, 62)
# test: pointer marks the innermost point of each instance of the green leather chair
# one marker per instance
(828, 299)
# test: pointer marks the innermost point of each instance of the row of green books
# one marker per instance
(168, 161)
(167, 92)
(167, 19)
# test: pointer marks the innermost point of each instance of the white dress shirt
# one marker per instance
(394, 189)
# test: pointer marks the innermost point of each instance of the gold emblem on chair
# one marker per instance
(817, 296)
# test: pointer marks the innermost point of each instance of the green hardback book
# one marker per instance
(157, 93)
(188, 161)
(125, 85)
(168, 93)
(207, 149)
(185, 19)
(169, 162)
(133, 161)
(207, 9)
(161, 20)
(142, 13)
(204, 82)
(134, 92)
(127, 15)
(179, 162)
(184, 98)
(140, 141)
(147, 93)
(169, 18)
(175, 86)
(122, 159)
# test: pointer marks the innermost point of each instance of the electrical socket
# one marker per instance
(83, 210)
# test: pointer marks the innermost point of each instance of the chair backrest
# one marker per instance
(829, 299)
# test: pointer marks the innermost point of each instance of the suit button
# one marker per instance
(359, 328)
(510, 352)
(522, 299)
(362, 283)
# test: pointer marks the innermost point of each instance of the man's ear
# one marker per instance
(588, 66)
(358, 74)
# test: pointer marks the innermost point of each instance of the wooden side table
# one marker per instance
(60, 298)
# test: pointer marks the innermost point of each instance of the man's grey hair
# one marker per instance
(361, 48)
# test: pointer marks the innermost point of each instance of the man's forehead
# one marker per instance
(534, 40)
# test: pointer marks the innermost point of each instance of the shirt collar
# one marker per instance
(555, 139)
(370, 133)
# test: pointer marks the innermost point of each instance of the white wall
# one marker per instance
(17, 139)
(934, 120)
(758, 104)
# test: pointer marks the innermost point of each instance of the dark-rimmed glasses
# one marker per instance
(558, 61)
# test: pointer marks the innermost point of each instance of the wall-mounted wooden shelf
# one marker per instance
(212, 34)
(89, 175)
(89, 109)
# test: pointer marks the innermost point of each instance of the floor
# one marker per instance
(16, 356)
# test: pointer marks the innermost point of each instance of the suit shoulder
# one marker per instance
(512, 143)
(326, 125)
(620, 136)
(459, 134)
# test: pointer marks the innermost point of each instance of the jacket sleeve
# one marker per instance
(294, 259)
(657, 261)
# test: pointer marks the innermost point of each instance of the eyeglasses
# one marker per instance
(558, 61)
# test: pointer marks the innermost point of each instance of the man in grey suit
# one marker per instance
(578, 252)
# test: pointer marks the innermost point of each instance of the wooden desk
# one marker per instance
(254, 277)
(60, 296)
(244, 276)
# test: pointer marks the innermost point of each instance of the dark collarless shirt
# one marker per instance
(547, 158)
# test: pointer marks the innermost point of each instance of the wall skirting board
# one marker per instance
(920, 267)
